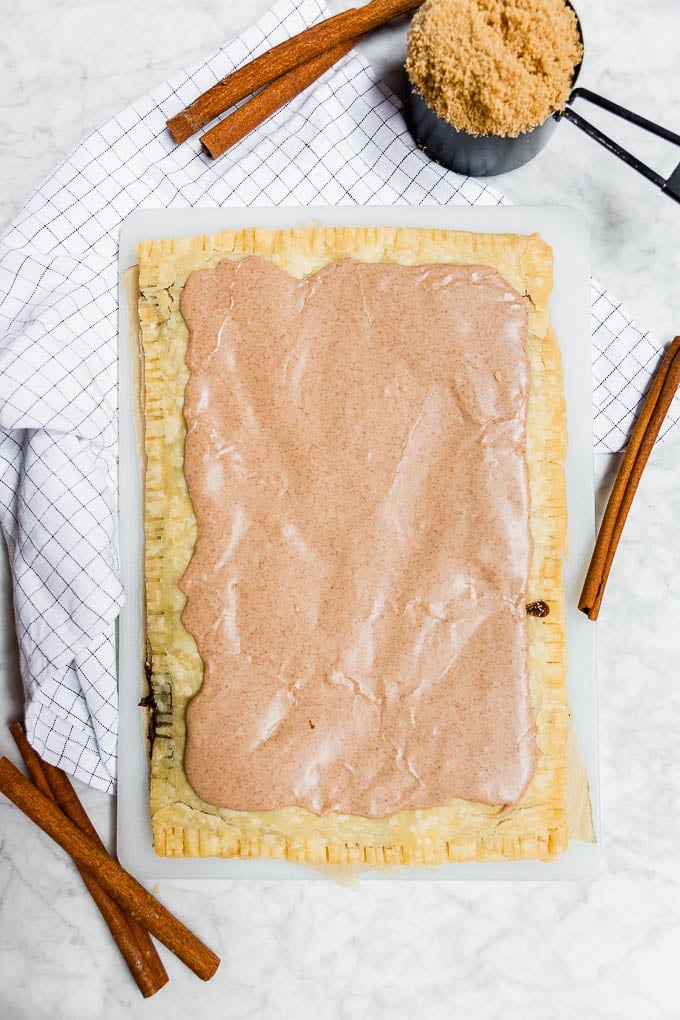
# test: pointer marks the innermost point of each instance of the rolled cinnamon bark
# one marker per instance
(120, 885)
(130, 936)
(640, 445)
(283, 58)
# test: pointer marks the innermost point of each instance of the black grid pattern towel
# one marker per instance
(344, 140)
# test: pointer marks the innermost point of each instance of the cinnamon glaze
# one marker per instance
(355, 460)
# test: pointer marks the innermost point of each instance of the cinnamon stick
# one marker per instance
(132, 939)
(640, 446)
(283, 58)
(270, 99)
(120, 885)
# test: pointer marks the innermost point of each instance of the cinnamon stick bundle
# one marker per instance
(132, 939)
(108, 874)
(283, 58)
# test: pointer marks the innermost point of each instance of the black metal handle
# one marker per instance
(670, 185)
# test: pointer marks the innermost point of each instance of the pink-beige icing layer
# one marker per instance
(356, 462)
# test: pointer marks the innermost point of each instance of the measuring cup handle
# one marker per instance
(671, 185)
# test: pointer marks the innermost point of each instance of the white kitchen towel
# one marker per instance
(344, 140)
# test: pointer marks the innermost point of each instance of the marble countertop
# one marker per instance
(605, 947)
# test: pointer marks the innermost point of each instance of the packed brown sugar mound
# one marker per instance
(493, 67)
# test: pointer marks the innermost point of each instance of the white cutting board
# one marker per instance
(567, 232)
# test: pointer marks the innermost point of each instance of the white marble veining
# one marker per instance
(607, 947)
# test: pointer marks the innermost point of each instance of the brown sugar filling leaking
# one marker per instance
(355, 460)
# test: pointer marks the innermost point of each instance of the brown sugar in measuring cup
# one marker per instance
(494, 67)
(487, 82)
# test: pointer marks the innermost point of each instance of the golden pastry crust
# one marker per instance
(183, 825)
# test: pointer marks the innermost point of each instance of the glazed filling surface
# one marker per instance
(355, 458)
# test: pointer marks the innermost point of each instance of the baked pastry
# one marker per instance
(311, 738)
